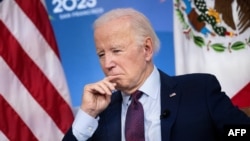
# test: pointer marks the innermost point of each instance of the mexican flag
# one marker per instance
(214, 37)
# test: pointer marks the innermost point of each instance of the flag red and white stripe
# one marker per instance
(34, 97)
(203, 52)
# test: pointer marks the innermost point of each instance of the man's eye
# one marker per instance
(116, 51)
(100, 55)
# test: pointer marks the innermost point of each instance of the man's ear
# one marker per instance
(148, 48)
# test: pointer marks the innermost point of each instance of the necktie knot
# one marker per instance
(136, 95)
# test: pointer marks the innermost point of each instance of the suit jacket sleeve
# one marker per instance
(69, 136)
(221, 109)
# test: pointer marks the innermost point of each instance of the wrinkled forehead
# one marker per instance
(118, 23)
(115, 28)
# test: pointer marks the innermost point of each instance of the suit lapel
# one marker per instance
(113, 118)
(169, 105)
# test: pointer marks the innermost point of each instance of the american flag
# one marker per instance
(34, 98)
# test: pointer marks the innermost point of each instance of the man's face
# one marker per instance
(121, 56)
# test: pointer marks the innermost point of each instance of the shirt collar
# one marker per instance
(150, 87)
(152, 84)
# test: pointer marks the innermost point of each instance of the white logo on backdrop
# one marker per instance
(66, 9)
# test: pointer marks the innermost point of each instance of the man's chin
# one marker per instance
(118, 87)
(116, 78)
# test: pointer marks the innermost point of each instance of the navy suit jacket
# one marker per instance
(196, 112)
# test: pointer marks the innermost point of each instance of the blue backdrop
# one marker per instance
(72, 23)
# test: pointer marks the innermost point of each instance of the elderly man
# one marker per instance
(138, 102)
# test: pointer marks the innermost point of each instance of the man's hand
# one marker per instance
(97, 96)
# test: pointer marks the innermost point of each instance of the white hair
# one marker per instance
(139, 23)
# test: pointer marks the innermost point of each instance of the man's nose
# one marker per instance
(109, 61)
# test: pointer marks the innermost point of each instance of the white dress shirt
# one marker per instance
(84, 125)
